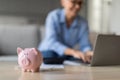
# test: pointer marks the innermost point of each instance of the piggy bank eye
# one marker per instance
(21, 55)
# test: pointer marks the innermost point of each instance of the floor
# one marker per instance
(9, 71)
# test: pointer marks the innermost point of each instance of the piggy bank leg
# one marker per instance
(24, 70)
(35, 70)
(28, 70)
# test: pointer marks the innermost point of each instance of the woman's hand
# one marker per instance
(88, 56)
(79, 55)
(75, 53)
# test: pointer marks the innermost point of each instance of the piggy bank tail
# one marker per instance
(26, 62)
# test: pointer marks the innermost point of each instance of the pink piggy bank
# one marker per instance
(29, 59)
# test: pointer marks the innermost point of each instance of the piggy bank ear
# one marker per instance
(19, 50)
(35, 51)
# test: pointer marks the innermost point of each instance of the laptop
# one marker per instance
(106, 51)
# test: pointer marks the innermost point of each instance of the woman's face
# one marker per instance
(72, 6)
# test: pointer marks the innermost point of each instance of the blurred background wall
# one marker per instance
(115, 17)
(102, 15)
(30, 11)
(26, 11)
(99, 15)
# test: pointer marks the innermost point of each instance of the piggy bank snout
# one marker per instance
(26, 62)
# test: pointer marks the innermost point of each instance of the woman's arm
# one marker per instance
(52, 35)
(85, 45)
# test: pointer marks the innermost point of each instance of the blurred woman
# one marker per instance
(64, 29)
